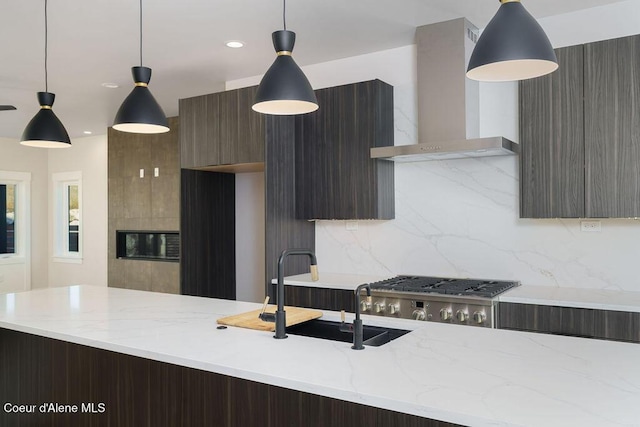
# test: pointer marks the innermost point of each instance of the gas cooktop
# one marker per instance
(445, 286)
(437, 299)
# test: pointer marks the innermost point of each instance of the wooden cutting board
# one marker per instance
(250, 319)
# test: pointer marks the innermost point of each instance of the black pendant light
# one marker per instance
(512, 47)
(45, 129)
(140, 112)
(284, 89)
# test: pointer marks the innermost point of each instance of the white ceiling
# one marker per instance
(92, 42)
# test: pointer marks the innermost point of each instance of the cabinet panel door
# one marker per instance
(250, 128)
(228, 121)
(552, 141)
(198, 131)
(580, 322)
(612, 127)
(335, 175)
(317, 163)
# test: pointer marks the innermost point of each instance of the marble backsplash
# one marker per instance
(459, 218)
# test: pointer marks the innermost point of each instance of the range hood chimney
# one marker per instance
(448, 102)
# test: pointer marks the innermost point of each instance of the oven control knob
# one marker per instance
(393, 309)
(365, 306)
(479, 317)
(462, 315)
(378, 307)
(446, 314)
(418, 314)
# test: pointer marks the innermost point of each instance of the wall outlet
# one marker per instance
(351, 225)
(156, 172)
(141, 173)
(591, 226)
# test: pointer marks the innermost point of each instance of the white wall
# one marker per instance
(597, 23)
(88, 155)
(18, 158)
(250, 243)
(460, 217)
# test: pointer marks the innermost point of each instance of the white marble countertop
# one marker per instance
(598, 299)
(331, 280)
(525, 294)
(465, 375)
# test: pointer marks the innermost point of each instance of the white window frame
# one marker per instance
(22, 218)
(61, 182)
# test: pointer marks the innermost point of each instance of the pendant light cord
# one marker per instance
(284, 14)
(141, 33)
(46, 32)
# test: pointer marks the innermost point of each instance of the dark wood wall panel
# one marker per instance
(145, 393)
(612, 127)
(552, 140)
(581, 322)
(335, 175)
(283, 230)
(208, 266)
(320, 298)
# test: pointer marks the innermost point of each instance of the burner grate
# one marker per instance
(445, 286)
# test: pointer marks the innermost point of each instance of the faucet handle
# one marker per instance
(314, 272)
(264, 305)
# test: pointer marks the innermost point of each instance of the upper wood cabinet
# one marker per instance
(612, 128)
(335, 176)
(580, 134)
(552, 141)
(220, 129)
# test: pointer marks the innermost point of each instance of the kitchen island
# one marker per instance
(448, 373)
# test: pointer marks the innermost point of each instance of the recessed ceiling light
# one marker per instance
(234, 44)
(87, 132)
(110, 85)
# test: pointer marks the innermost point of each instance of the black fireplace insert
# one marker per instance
(148, 245)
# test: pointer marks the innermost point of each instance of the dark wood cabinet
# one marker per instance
(580, 134)
(319, 298)
(335, 176)
(207, 238)
(134, 391)
(316, 166)
(612, 128)
(282, 229)
(580, 322)
(198, 131)
(552, 141)
(251, 132)
(221, 129)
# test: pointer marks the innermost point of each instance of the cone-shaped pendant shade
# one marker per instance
(140, 112)
(284, 89)
(45, 129)
(512, 47)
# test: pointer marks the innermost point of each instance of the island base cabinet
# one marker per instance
(113, 389)
(580, 322)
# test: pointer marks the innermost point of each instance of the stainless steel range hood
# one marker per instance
(448, 102)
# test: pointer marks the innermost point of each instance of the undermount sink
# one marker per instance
(374, 336)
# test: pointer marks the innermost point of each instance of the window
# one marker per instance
(7, 227)
(68, 217)
(14, 203)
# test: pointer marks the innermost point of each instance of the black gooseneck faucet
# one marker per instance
(280, 317)
(357, 323)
